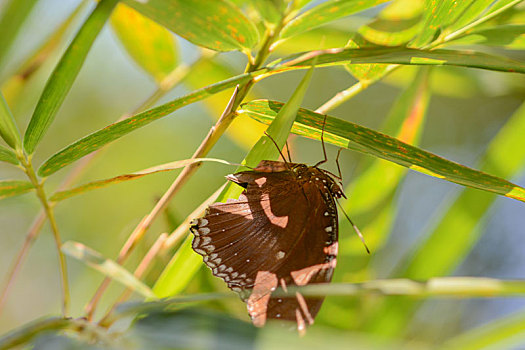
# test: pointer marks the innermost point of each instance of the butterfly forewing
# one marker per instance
(282, 231)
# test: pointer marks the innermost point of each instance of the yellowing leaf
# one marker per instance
(150, 45)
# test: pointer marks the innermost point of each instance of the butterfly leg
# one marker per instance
(322, 143)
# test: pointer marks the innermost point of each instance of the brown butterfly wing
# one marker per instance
(282, 231)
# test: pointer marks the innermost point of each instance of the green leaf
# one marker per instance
(364, 72)
(460, 224)
(436, 57)
(459, 228)
(22, 335)
(349, 135)
(279, 128)
(179, 272)
(30, 65)
(115, 131)
(437, 14)
(325, 13)
(475, 9)
(191, 328)
(511, 36)
(61, 195)
(151, 46)
(503, 333)
(397, 24)
(186, 262)
(6, 155)
(436, 287)
(244, 132)
(8, 129)
(64, 75)
(317, 39)
(498, 4)
(268, 10)
(10, 188)
(14, 15)
(217, 25)
(142, 307)
(371, 193)
(105, 266)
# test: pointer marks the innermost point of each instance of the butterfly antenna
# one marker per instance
(278, 149)
(355, 228)
(322, 143)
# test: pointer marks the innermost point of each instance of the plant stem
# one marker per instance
(17, 264)
(163, 243)
(139, 273)
(48, 209)
(166, 85)
(206, 145)
(345, 95)
(353, 90)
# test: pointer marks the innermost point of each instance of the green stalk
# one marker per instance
(48, 209)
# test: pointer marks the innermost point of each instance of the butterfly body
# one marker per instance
(281, 232)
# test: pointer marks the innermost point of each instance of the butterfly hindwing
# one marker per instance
(282, 231)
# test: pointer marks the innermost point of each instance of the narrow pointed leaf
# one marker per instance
(371, 194)
(218, 25)
(132, 176)
(244, 132)
(27, 68)
(437, 13)
(268, 10)
(475, 9)
(280, 126)
(8, 128)
(65, 73)
(106, 266)
(433, 287)
(19, 337)
(317, 39)
(324, 13)
(364, 72)
(6, 155)
(13, 17)
(115, 131)
(183, 266)
(507, 332)
(150, 45)
(396, 25)
(179, 272)
(511, 36)
(505, 156)
(404, 122)
(10, 188)
(436, 57)
(359, 138)
(498, 4)
(458, 229)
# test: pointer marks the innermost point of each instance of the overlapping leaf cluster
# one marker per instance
(398, 34)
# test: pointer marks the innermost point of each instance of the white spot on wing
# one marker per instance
(204, 230)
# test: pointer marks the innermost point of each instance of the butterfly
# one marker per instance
(282, 231)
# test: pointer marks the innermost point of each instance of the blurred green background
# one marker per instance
(467, 109)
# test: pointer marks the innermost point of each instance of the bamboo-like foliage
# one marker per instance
(430, 50)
